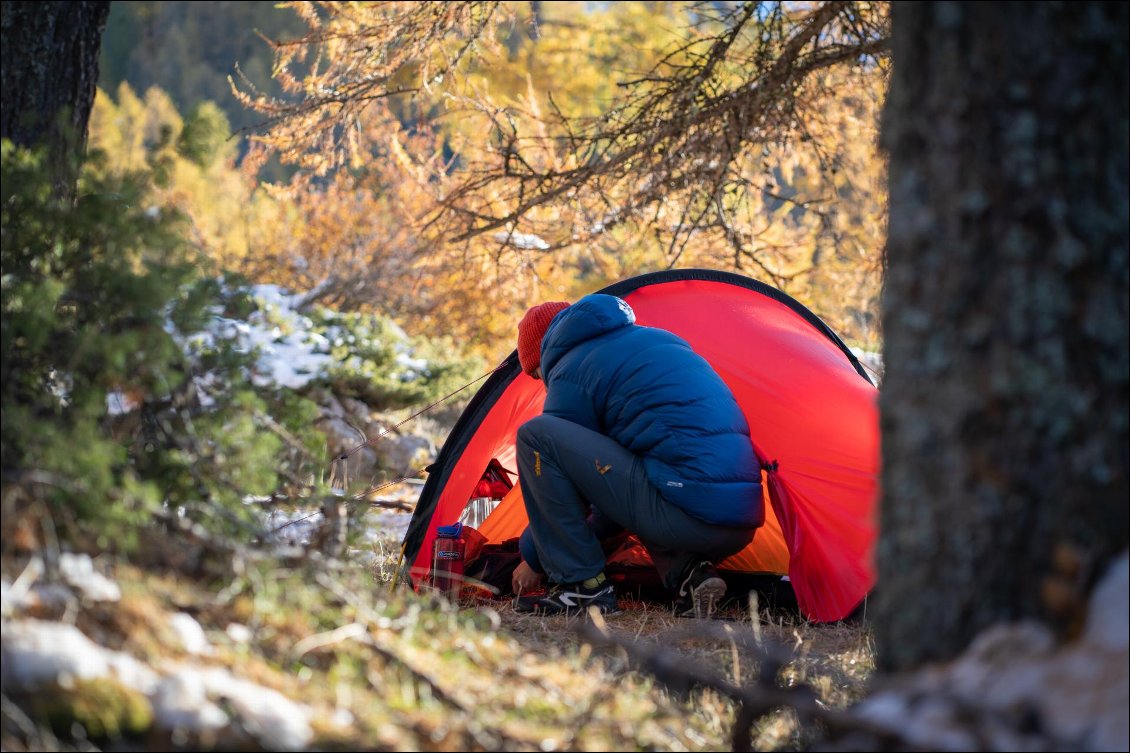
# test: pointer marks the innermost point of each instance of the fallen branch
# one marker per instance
(352, 631)
(755, 701)
(393, 504)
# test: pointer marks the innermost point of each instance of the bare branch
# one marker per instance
(765, 695)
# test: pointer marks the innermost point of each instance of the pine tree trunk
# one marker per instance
(1004, 404)
(50, 72)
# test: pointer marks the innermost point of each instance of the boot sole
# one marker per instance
(527, 608)
(706, 597)
(572, 612)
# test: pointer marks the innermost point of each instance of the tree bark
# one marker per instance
(1004, 405)
(50, 73)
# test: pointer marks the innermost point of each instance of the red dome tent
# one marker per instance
(812, 414)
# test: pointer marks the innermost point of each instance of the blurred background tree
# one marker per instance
(405, 155)
(188, 49)
(544, 150)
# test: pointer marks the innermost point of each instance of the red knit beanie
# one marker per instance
(532, 329)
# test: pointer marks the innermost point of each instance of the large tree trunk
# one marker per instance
(50, 72)
(1004, 405)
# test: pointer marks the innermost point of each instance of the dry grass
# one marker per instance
(835, 660)
(426, 675)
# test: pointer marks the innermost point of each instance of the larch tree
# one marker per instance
(1004, 405)
(543, 144)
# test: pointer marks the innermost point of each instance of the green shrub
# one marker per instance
(98, 296)
(130, 384)
(377, 363)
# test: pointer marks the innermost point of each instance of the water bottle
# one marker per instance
(447, 560)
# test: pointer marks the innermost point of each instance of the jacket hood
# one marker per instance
(592, 316)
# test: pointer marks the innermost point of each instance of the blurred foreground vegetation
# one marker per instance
(372, 669)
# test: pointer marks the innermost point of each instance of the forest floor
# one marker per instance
(324, 655)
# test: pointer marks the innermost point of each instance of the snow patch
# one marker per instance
(525, 241)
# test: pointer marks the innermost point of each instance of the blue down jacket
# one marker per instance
(646, 389)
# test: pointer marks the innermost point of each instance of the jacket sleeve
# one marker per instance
(529, 551)
(566, 400)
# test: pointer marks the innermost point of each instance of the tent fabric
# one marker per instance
(812, 414)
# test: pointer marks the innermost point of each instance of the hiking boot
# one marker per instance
(571, 598)
(700, 592)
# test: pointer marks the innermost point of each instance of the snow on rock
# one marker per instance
(9, 599)
(872, 362)
(1106, 616)
(289, 353)
(385, 525)
(525, 241)
(38, 653)
(293, 527)
(190, 633)
(78, 571)
(298, 527)
(239, 633)
(1016, 688)
(276, 720)
(32, 591)
(181, 703)
(186, 701)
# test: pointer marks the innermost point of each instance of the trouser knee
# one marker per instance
(533, 432)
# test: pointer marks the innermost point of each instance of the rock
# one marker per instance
(78, 571)
(342, 437)
(190, 633)
(239, 633)
(358, 411)
(328, 402)
(404, 455)
(388, 456)
(39, 653)
(184, 699)
(1015, 688)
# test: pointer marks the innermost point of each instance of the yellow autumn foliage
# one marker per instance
(456, 186)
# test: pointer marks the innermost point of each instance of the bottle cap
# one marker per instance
(450, 532)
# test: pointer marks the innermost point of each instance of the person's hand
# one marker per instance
(524, 579)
